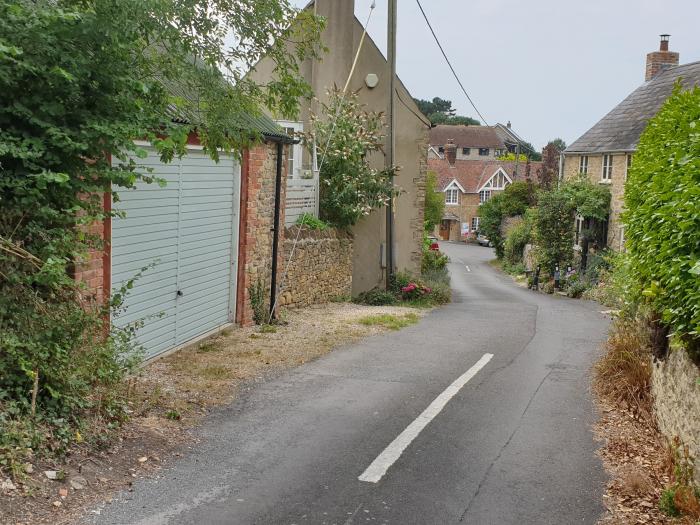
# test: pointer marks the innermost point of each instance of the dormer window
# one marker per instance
(452, 196)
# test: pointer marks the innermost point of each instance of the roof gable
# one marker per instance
(498, 181)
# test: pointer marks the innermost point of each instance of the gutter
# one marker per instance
(280, 141)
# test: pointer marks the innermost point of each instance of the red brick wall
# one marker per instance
(257, 218)
(94, 269)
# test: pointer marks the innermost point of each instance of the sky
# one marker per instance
(551, 67)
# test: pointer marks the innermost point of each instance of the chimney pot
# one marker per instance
(508, 125)
(451, 152)
(657, 61)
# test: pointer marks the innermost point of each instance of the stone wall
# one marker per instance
(320, 269)
(676, 389)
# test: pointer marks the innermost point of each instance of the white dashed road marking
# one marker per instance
(388, 457)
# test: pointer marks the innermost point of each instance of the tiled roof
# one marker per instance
(466, 136)
(620, 129)
(472, 174)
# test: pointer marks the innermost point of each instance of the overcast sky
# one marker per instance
(551, 67)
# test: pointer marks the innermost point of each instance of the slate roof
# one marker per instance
(472, 174)
(620, 129)
(466, 136)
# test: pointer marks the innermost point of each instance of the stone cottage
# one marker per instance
(606, 151)
(467, 184)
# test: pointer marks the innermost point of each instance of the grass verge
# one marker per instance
(390, 321)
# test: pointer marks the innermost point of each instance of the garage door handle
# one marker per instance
(179, 293)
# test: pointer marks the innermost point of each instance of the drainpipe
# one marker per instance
(275, 229)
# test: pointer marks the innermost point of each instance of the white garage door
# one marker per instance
(186, 236)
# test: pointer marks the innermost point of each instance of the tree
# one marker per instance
(434, 202)
(559, 144)
(662, 217)
(349, 187)
(548, 172)
(80, 81)
(513, 201)
(440, 111)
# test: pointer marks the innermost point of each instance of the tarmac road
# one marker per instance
(509, 443)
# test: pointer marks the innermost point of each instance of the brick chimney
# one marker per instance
(659, 60)
(451, 152)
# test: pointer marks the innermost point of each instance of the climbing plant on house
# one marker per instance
(80, 80)
(345, 134)
(662, 217)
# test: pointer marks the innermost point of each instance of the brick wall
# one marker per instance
(320, 268)
(93, 269)
(257, 219)
(616, 185)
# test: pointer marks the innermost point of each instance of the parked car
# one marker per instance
(433, 243)
(483, 240)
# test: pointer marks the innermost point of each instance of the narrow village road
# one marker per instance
(513, 445)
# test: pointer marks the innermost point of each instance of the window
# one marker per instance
(484, 195)
(498, 152)
(441, 149)
(583, 164)
(607, 167)
(294, 151)
(475, 224)
(290, 155)
(466, 151)
(452, 196)
(484, 152)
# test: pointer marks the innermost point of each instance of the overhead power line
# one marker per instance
(437, 41)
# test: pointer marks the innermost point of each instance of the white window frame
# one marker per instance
(484, 195)
(452, 197)
(628, 164)
(295, 150)
(583, 164)
(475, 224)
(607, 171)
(498, 181)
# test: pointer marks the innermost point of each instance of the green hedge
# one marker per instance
(662, 199)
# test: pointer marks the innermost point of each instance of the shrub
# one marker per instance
(662, 219)
(515, 242)
(513, 201)
(312, 222)
(576, 289)
(350, 187)
(554, 230)
(623, 374)
(256, 291)
(433, 260)
(376, 297)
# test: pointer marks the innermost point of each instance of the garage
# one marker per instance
(182, 238)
